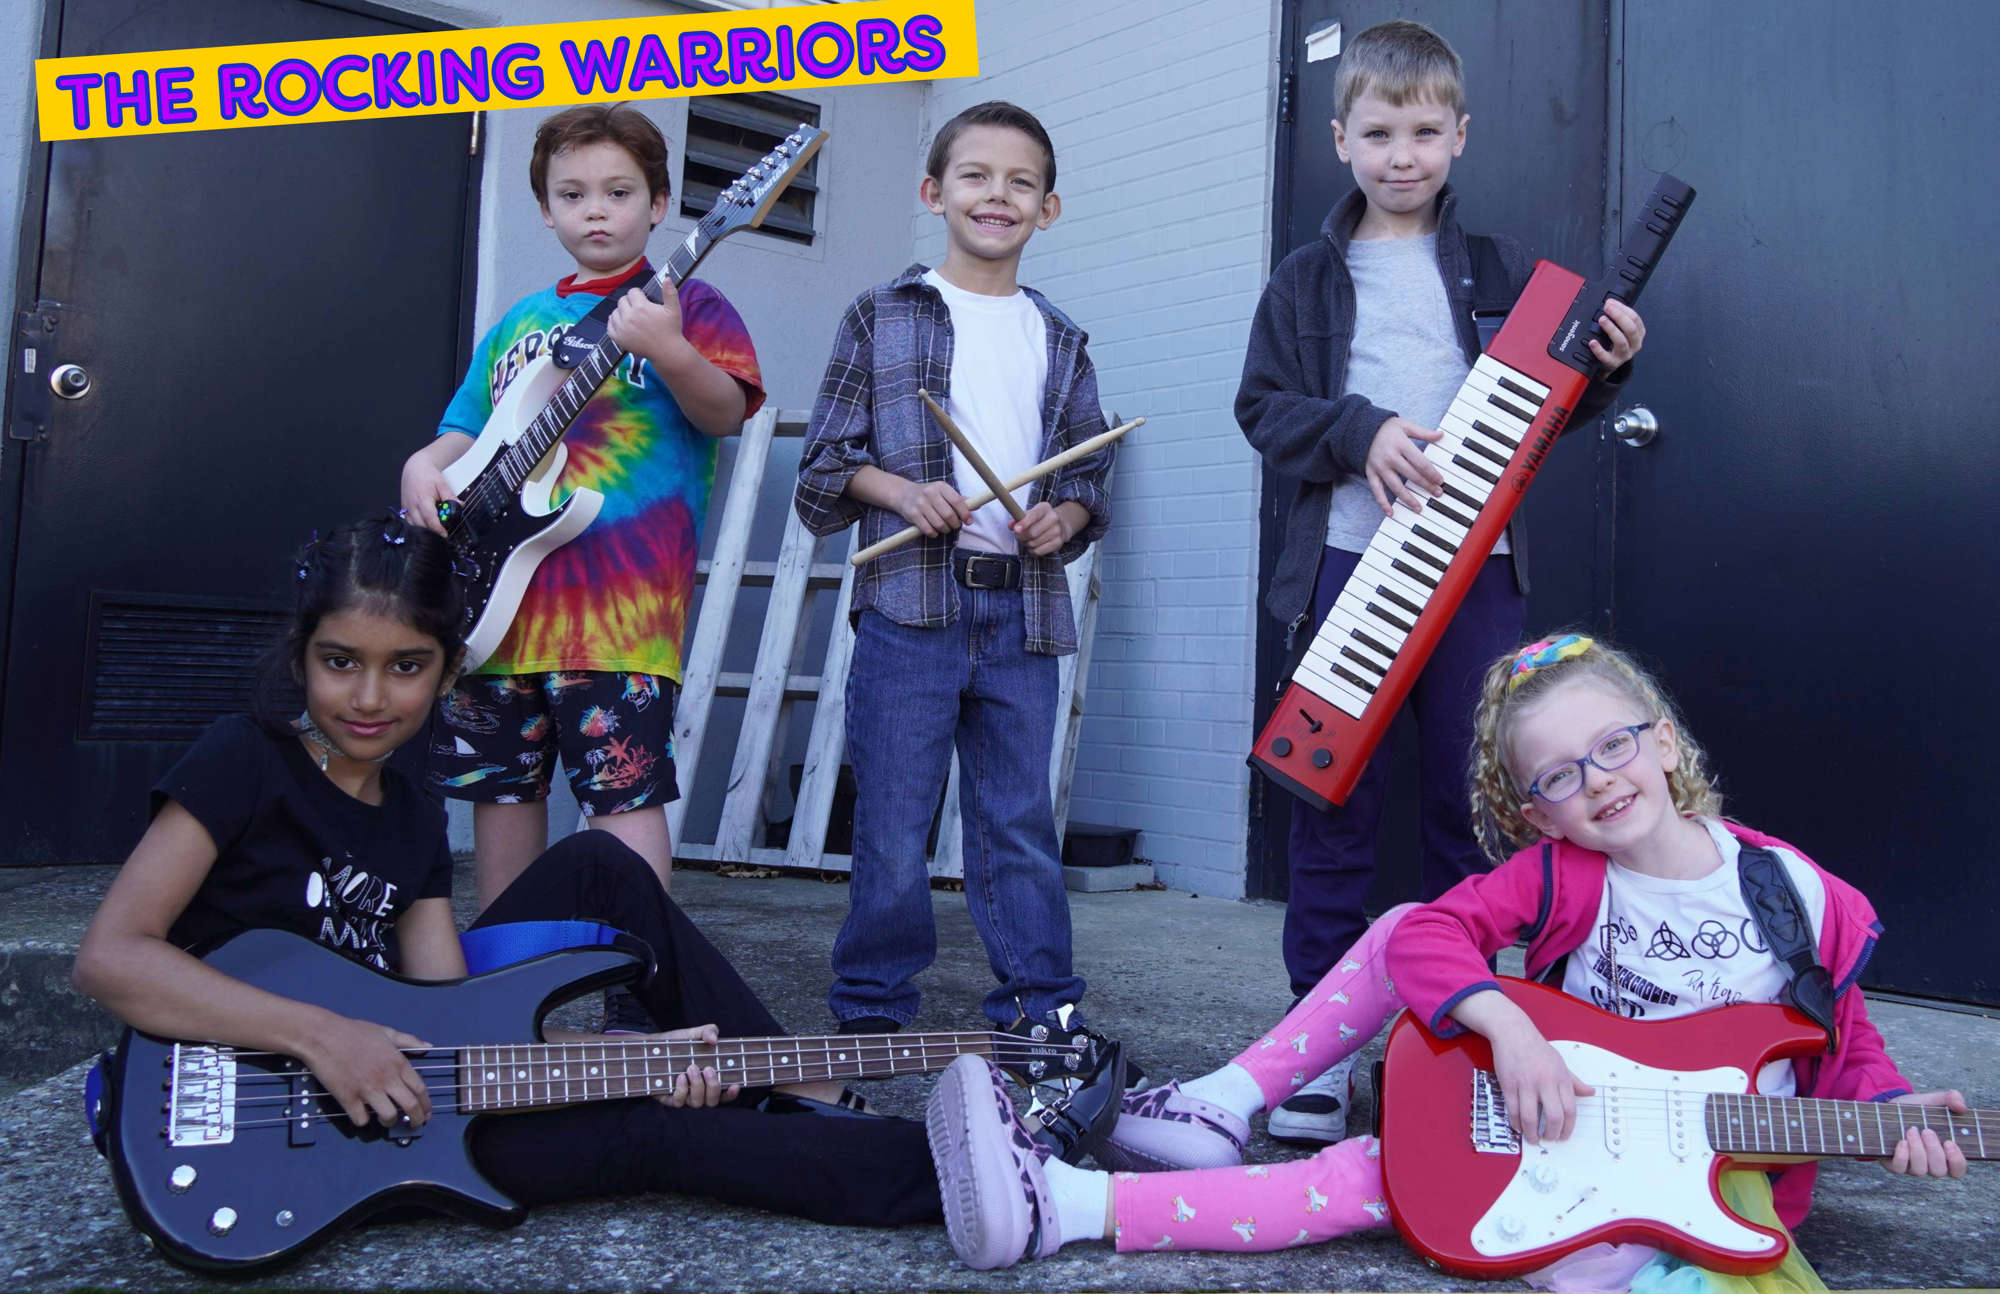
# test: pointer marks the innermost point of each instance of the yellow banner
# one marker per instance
(550, 65)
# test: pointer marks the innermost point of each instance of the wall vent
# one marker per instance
(162, 668)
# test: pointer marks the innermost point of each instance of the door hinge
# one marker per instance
(35, 336)
(472, 143)
(1288, 90)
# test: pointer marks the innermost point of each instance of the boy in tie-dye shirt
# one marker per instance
(589, 670)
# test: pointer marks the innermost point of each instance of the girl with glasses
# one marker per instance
(1626, 889)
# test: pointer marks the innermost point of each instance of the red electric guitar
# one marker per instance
(1674, 1107)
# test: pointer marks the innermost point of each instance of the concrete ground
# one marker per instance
(1184, 980)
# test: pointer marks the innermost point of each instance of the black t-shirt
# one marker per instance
(297, 853)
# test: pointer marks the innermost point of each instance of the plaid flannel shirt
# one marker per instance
(893, 340)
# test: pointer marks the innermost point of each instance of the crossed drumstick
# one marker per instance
(995, 487)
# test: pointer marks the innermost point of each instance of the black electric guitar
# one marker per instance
(231, 1160)
(503, 522)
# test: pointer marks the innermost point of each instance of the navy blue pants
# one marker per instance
(1332, 855)
(831, 1168)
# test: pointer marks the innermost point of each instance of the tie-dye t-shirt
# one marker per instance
(616, 596)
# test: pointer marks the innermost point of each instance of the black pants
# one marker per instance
(830, 1168)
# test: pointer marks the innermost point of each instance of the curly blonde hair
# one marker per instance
(1497, 797)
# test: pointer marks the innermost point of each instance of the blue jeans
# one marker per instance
(912, 694)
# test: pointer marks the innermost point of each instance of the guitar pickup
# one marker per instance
(301, 1107)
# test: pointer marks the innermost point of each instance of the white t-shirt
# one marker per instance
(1678, 947)
(999, 369)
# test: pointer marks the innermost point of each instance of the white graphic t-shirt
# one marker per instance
(1664, 949)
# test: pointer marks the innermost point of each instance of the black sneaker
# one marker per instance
(1316, 1115)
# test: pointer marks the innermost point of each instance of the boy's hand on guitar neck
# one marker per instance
(1921, 1152)
(363, 1067)
(712, 400)
(647, 328)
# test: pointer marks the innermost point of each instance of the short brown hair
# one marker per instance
(994, 112)
(597, 123)
(1400, 61)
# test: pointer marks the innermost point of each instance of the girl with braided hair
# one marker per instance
(298, 824)
(1625, 887)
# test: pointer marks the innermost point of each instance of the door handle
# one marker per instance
(1636, 426)
(69, 381)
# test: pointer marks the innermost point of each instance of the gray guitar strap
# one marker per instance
(1788, 932)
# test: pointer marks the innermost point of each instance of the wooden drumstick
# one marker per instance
(1034, 473)
(964, 443)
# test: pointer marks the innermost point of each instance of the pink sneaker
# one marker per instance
(1163, 1129)
(997, 1209)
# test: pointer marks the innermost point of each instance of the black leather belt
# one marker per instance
(977, 570)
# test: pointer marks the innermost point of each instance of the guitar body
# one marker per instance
(268, 1186)
(509, 541)
(1638, 1167)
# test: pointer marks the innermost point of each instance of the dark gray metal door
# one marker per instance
(1803, 549)
(270, 319)
(1806, 549)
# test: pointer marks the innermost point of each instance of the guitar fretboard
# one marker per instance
(1790, 1125)
(495, 1078)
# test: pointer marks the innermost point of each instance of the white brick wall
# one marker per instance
(1161, 114)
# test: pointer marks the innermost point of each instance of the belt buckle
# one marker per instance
(975, 564)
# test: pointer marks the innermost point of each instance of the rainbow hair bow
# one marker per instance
(1543, 654)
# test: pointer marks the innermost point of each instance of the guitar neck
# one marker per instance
(537, 1075)
(1805, 1127)
(597, 367)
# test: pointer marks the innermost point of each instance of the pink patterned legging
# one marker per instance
(1276, 1206)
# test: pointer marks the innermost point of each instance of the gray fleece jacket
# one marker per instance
(1290, 404)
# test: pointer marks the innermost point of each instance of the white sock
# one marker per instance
(1082, 1197)
(1230, 1087)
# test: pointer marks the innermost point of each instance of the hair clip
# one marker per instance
(464, 567)
(303, 563)
(1543, 654)
(398, 540)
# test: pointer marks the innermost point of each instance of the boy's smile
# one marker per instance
(1401, 157)
(992, 198)
(599, 208)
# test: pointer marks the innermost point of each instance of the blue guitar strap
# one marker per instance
(491, 947)
(1788, 932)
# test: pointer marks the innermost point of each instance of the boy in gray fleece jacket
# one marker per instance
(1359, 344)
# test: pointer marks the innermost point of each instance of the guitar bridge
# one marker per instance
(1491, 1134)
(201, 1096)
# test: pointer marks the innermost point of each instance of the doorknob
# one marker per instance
(69, 381)
(1636, 426)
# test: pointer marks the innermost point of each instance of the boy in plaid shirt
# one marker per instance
(957, 635)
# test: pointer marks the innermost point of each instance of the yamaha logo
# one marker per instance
(1521, 480)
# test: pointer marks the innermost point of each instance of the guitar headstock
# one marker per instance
(748, 199)
(1045, 1053)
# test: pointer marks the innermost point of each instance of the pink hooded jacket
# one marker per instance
(1549, 894)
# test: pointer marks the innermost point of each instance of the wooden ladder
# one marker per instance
(778, 681)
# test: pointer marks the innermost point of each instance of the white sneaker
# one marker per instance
(1316, 1114)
